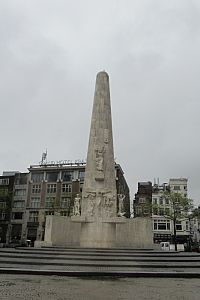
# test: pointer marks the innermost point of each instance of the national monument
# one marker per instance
(98, 220)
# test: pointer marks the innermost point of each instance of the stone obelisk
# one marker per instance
(99, 196)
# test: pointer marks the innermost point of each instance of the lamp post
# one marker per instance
(190, 232)
(176, 208)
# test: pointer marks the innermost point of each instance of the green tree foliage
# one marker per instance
(180, 208)
(196, 212)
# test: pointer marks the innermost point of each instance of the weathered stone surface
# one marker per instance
(122, 232)
(99, 224)
(99, 195)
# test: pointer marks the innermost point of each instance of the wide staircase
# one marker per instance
(99, 262)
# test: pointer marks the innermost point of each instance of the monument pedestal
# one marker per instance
(87, 232)
(99, 232)
(98, 235)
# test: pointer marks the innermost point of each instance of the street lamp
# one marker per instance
(190, 231)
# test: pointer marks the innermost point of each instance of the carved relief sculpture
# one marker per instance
(108, 205)
(77, 205)
(99, 203)
(121, 211)
(99, 159)
(90, 203)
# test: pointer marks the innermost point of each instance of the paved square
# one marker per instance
(32, 287)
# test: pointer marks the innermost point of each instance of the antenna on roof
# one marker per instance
(44, 157)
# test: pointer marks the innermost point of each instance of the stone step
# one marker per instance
(89, 260)
(97, 253)
(99, 258)
(100, 264)
(103, 273)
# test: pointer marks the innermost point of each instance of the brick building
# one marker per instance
(19, 201)
(143, 199)
(52, 189)
(6, 195)
(47, 189)
(150, 201)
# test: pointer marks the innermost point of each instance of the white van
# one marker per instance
(166, 246)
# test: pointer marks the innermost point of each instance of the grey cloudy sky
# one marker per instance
(50, 52)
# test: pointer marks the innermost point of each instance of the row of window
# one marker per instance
(34, 215)
(160, 201)
(19, 204)
(20, 192)
(4, 192)
(166, 225)
(51, 188)
(54, 176)
(142, 210)
(17, 215)
(161, 224)
(50, 202)
(161, 211)
(35, 203)
(2, 216)
(2, 204)
(4, 181)
(178, 188)
(156, 200)
(157, 211)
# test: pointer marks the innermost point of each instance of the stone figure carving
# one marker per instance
(108, 204)
(99, 159)
(121, 211)
(99, 199)
(91, 207)
(100, 203)
(90, 203)
(77, 205)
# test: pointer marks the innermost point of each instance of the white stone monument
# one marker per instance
(96, 221)
(99, 197)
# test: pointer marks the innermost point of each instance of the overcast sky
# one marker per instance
(50, 52)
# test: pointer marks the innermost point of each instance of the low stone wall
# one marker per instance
(61, 231)
(134, 233)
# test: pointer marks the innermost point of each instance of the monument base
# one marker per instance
(98, 235)
(82, 219)
(89, 233)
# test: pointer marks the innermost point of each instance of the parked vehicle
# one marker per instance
(166, 246)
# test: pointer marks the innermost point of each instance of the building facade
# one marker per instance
(143, 199)
(47, 189)
(52, 190)
(162, 226)
(160, 210)
(19, 203)
(6, 196)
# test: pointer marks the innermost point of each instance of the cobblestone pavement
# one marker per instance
(23, 287)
